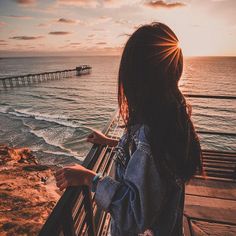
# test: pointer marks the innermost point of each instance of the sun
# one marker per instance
(179, 45)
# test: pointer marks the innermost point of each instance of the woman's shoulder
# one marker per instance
(140, 133)
(141, 137)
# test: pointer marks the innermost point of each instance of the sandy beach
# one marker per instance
(27, 191)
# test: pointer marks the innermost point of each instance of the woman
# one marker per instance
(159, 151)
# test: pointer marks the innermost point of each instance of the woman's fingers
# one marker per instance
(61, 176)
(76, 175)
(63, 185)
(91, 138)
(59, 172)
(60, 182)
(91, 135)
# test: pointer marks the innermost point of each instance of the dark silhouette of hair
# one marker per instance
(148, 93)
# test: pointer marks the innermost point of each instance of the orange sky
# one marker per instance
(100, 27)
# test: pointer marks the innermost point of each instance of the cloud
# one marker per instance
(43, 25)
(21, 45)
(103, 19)
(122, 21)
(2, 41)
(3, 44)
(59, 32)
(99, 29)
(163, 4)
(91, 35)
(116, 3)
(124, 35)
(25, 2)
(75, 44)
(2, 23)
(19, 17)
(79, 3)
(26, 37)
(67, 21)
(101, 43)
(98, 20)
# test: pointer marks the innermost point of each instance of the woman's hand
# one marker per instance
(76, 175)
(98, 137)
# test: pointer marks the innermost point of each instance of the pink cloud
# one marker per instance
(99, 29)
(91, 35)
(80, 3)
(122, 21)
(25, 2)
(75, 44)
(43, 25)
(67, 21)
(163, 4)
(2, 23)
(101, 43)
(59, 32)
(19, 17)
(26, 37)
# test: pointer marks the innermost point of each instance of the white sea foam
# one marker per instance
(80, 158)
(58, 119)
(56, 139)
(4, 109)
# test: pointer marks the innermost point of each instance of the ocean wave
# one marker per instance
(4, 109)
(80, 158)
(57, 119)
(52, 138)
(34, 96)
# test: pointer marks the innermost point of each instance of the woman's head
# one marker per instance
(150, 68)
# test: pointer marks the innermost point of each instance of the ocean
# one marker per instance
(53, 118)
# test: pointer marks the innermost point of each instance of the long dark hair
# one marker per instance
(148, 93)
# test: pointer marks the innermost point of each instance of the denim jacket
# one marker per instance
(138, 199)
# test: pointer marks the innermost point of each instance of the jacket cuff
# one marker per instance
(106, 188)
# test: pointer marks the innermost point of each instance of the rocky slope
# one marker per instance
(27, 192)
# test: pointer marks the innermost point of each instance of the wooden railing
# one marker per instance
(77, 214)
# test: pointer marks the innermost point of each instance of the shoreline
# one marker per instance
(27, 191)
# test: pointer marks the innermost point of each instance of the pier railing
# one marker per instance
(29, 79)
(76, 213)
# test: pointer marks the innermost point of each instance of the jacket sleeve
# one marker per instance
(135, 202)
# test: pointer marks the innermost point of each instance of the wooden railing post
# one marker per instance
(68, 223)
(89, 210)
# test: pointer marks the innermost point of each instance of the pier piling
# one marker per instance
(23, 80)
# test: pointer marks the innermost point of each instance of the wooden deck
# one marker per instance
(210, 202)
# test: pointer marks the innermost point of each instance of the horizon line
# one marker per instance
(99, 55)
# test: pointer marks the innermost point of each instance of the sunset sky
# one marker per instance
(100, 27)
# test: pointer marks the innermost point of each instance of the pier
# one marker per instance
(210, 200)
(29, 79)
